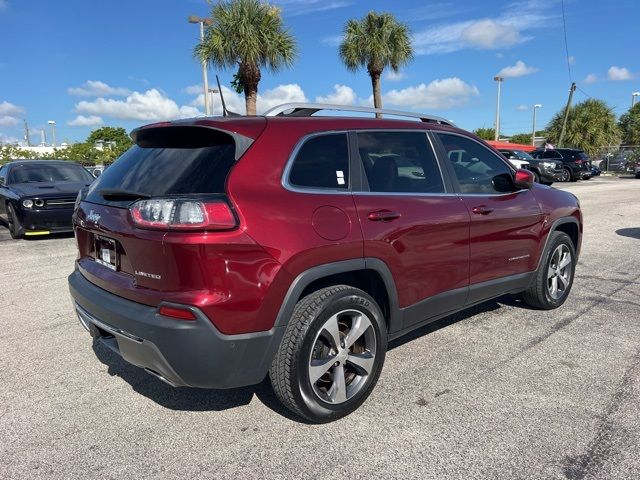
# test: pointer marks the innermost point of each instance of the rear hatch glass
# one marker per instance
(176, 170)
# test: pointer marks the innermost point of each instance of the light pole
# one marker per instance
(499, 80)
(533, 132)
(213, 91)
(53, 132)
(633, 98)
(203, 22)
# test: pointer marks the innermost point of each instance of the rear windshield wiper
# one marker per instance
(118, 194)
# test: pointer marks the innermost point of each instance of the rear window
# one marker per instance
(168, 171)
(39, 173)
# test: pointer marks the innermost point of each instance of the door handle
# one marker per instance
(383, 216)
(482, 210)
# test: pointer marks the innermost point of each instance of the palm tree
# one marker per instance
(591, 125)
(375, 42)
(247, 35)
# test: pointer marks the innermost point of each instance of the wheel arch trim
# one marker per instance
(553, 228)
(318, 272)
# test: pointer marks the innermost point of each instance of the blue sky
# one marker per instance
(126, 63)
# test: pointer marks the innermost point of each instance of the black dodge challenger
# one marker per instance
(37, 196)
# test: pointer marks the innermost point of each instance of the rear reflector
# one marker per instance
(176, 312)
(182, 214)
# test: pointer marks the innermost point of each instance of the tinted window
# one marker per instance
(551, 154)
(55, 172)
(322, 162)
(477, 169)
(522, 155)
(167, 171)
(399, 162)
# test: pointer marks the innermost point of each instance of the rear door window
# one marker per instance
(400, 162)
(322, 163)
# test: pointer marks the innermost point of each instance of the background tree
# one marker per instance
(485, 133)
(629, 125)
(117, 135)
(247, 35)
(375, 42)
(590, 126)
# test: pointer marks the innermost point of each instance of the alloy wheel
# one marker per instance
(343, 356)
(559, 272)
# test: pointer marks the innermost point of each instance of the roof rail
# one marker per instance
(308, 109)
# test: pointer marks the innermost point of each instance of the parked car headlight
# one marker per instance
(549, 164)
(27, 203)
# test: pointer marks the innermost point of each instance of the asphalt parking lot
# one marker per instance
(499, 391)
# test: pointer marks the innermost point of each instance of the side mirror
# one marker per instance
(524, 179)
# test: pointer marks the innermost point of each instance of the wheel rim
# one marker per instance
(559, 272)
(343, 356)
(565, 176)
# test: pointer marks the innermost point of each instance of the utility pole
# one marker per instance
(202, 22)
(499, 80)
(566, 113)
(26, 134)
(212, 92)
(533, 132)
(633, 98)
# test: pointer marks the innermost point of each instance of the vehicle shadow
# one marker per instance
(200, 400)
(488, 306)
(629, 232)
(185, 398)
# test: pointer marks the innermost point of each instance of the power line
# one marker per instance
(566, 44)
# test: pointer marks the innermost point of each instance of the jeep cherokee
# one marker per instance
(217, 251)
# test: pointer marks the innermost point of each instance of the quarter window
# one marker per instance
(477, 169)
(401, 162)
(322, 162)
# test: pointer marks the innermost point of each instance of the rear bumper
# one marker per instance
(182, 353)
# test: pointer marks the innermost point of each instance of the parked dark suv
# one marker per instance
(219, 250)
(576, 162)
(544, 171)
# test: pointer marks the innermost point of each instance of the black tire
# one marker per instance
(548, 184)
(637, 175)
(539, 294)
(15, 227)
(302, 345)
(566, 175)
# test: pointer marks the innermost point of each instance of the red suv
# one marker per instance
(219, 250)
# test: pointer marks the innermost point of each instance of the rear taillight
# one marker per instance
(578, 161)
(182, 214)
(176, 312)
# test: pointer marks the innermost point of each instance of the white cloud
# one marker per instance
(291, 93)
(281, 94)
(489, 35)
(502, 31)
(522, 108)
(193, 89)
(332, 41)
(302, 7)
(10, 114)
(619, 74)
(7, 108)
(517, 70)
(96, 88)
(342, 95)
(3, 4)
(151, 105)
(395, 76)
(82, 121)
(8, 139)
(591, 78)
(439, 94)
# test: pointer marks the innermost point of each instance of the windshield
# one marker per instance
(522, 155)
(39, 172)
